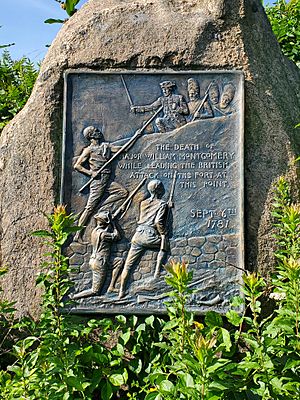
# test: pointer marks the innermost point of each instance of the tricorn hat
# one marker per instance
(103, 216)
(167, 84)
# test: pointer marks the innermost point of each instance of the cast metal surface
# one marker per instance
(153, 165)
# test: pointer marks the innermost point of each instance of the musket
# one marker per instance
(127, 92)
(123, 148)
(125, 204)
(202, 102)
(171, 195)
(163, 244)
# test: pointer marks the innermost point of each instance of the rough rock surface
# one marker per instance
(148, 34)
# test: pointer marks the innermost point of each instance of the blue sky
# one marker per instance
(22, 22)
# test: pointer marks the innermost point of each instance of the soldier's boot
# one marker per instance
(124, 278)
(84, 293)
(98, 281)
(117, 265)
(159, 261)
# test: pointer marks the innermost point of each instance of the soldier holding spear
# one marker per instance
(98, 156)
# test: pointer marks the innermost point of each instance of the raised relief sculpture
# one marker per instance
(151, 232)
(105, 233)
(199, 108)
(102, 238)
(98, 157)
(221, 103)
(226, 99)
(189, 138)
(174, 108)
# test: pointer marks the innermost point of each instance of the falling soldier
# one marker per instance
(151, 232)
(173, 105)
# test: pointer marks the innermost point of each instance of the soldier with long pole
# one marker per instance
(103, 236)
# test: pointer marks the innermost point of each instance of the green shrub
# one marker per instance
(285, 20)
(243, 355)
(16, 82)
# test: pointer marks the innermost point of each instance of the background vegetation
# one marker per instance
(244, 355)
(285, 20)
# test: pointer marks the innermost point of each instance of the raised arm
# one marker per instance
(149, 107)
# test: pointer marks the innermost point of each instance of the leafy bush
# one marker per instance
(16, 82)
(243, 355)
(285, 20)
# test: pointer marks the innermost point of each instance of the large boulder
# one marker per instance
(148, 34)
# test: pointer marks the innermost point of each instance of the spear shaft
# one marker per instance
(122, 149)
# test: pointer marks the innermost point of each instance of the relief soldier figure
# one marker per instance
(196, 108)
(151, 232)
(214, 94)
(97, 155)
(174, 108)
(221, 103)
(105, 233)
(226, 99)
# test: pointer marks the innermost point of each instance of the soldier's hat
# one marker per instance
(103, 216)
(167, 84)
(193, 84)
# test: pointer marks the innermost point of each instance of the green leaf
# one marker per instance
(42, 233)
(54, 21)
(116, 379)
(234, 318)
(166, 387)
(150, 320)
(106, 391)
(74, 382)
(226, 339)
(153, 396)
(125, 337)
(213, 319)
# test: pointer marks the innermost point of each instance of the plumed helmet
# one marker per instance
(193, 84)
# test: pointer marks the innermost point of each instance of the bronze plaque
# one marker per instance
(153, 166)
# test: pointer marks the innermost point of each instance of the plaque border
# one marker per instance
(119, 71)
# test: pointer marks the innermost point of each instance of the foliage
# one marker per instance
(59, 359)
(285, 20)
(6, 324)
(69, 6)
(16, 82)
(192, 356)
(243, 355)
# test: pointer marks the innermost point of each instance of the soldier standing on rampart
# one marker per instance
(174, 108)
